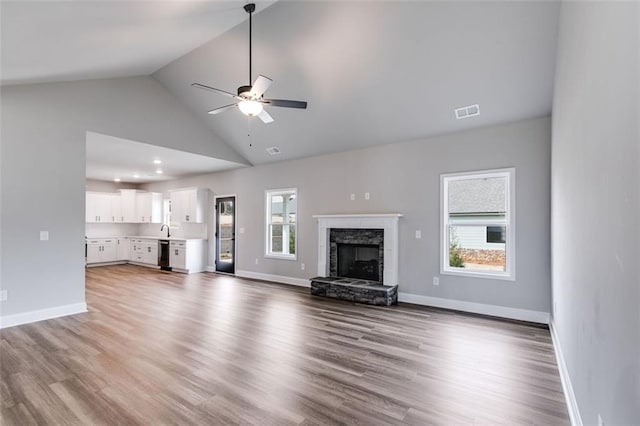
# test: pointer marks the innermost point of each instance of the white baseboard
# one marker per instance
(210, 268)
(301, 282)
(572, 404)
(476, 308)
(42, 314)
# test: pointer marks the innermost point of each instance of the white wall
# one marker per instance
(596, 185)
(404, 178)
(43, 174)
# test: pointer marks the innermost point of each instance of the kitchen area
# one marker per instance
(146, 229)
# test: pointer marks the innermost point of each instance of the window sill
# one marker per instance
(477, 274)
(281, 256)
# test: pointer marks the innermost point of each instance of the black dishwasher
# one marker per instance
(163, 255)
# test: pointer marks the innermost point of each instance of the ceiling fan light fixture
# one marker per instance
(250, 108)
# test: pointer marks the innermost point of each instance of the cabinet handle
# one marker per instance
(176, 252)
(99, 219)
(96, 218)
(187, 218)
(142, 218)
(113, 218)
(122, 218)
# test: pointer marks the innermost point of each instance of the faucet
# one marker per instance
(168, 230)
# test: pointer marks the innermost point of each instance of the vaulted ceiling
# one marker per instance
(372, 72)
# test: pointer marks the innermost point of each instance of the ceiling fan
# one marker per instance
(250, 99)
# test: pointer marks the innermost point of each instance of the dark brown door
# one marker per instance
(226, 235)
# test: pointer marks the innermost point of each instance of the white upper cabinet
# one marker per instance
(149, 207)
(116, 208)
(189, 205)
(130, 206)
(98, 207)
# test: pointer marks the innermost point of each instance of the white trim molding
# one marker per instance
(300, 282)
(386, 221)
(572, 403)
(476, 308)
(42, 314)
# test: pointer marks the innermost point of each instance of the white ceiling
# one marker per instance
(109, 157)
(373, 72)
(78, 40)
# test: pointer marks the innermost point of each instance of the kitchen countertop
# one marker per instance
(147, 237)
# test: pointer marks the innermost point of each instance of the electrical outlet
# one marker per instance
(302, 266)
(44, 235)
(555, 308)
(436, 280)
(367, 195)
(418, 234)
(600, 421)
(353, 197)
(3, 295)
(256, 260)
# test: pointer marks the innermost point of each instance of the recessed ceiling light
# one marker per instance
(116, 180)
(136, 176)
(159, 171)
(157, 161)
(274, 150)
(467, 111)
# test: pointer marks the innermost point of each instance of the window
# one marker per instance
(281, 238)
(478, 228)
(495, 234)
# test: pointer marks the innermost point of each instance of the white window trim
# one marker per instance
(267, 198)
(510, 224)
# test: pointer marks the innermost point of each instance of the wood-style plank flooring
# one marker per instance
(165, 348)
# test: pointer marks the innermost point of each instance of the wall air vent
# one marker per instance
(274, 150)
(468, 111)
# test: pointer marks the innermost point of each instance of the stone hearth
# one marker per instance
(355, 290)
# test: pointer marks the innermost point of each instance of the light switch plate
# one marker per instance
(367, 196)
(44, 235)
(436, 280)
(241, 230)
(418, 234)
(3, 295)
(353, 197)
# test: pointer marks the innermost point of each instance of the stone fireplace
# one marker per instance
(348, 244)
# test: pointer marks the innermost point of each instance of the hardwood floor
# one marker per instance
(165, 348)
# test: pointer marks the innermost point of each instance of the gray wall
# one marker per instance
(43, 174)
(404, 178)
(595, 181)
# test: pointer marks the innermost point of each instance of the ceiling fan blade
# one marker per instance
(213, 89)
(260, 86)
(265, 117)
(221, 109)
(285, 103)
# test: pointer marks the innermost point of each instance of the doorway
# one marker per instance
(226, 234)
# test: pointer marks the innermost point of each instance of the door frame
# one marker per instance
(235, 232)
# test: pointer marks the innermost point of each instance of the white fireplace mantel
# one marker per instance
(386, 221)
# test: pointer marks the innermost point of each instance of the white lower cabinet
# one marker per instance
(144, 251)
(123, 249)
(177, 251)
(188, 256)
(101, 250)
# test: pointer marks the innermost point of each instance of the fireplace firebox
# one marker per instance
(359, 261)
